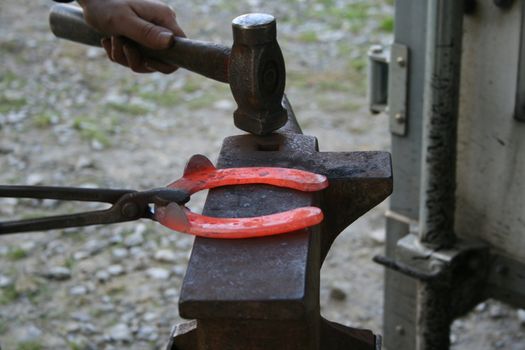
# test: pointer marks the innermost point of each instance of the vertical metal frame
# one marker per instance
(519, 112)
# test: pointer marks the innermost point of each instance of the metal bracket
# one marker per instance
(461, 270)
(398, 89)
(388, 84)
(378, 59)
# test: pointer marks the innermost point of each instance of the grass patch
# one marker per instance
(43, 120)
(4, 327)
(116, 290)
(387, 24)
(9, 104)
(16, 254)
(12, 46)
(29, 345)
(69, 263)
(100, 129)
(165, 99)
(203, 101)
(8, 295)
(130, 109)
(308, 37)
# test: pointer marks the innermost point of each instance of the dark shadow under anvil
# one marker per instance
(263, 293)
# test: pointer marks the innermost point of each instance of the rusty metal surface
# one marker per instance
(264, 293)
(257, 74)
(358, 181)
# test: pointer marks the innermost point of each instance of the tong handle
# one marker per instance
(61, 221)
(64, 193)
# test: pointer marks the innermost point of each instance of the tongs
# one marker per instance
(166, 205)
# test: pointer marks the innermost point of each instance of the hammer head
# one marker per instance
(257, 74)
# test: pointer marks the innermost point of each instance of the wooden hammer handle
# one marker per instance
(208, 59)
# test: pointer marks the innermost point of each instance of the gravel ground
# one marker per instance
(68, 117)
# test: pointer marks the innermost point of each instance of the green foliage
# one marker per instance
(16, 254)
(8, 104)
(8, 295)
(309, 37)
(43, 120)
(164, 99)
(29, 345)
(130, 109)
(387, 24)
(99, 129)
(4, 326)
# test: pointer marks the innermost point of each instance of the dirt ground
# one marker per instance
(68, 117)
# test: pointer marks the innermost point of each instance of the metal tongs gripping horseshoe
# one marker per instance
(166, 205)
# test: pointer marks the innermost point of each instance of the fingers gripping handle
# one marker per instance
(207, 59)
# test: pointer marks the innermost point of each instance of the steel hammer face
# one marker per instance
(257, 74)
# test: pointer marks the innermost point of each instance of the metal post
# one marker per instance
(438, 175)
(440, 113)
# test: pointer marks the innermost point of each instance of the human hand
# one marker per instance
(147, 22)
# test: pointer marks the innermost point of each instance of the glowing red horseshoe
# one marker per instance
(201, 174)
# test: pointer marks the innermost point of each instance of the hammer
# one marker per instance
(253, 66)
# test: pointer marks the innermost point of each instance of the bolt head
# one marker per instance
(400, 61)
(400, 117)
(130, 210)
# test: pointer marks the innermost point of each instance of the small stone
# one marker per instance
(80, 316)
(171, 293)
(165, 255)
(150, 317)
(7, 206)
(115, 239)
(480, 307)
(35, 179)
(72, 327)
(84, 163)
(120, 332)
(5, 281)
(224, 105)
(88, 328)
(134, 239)
(4, 250)
(378, 236)
(137, 252)
(158, 273)
(28, 333)
(55, 247)
(96, 145)
(80, 255)
(179, 270)
(128, 316)
(50, 203)
(521, 317)
(116, 270)
(78, 290)
(496, 311)
(148, 333)
(119, 253)
(499, 344)
(337, 294)
(140, 229)
(28, 246)
(93, 52)
(58, 273)
(95, 246)
(102, 276)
